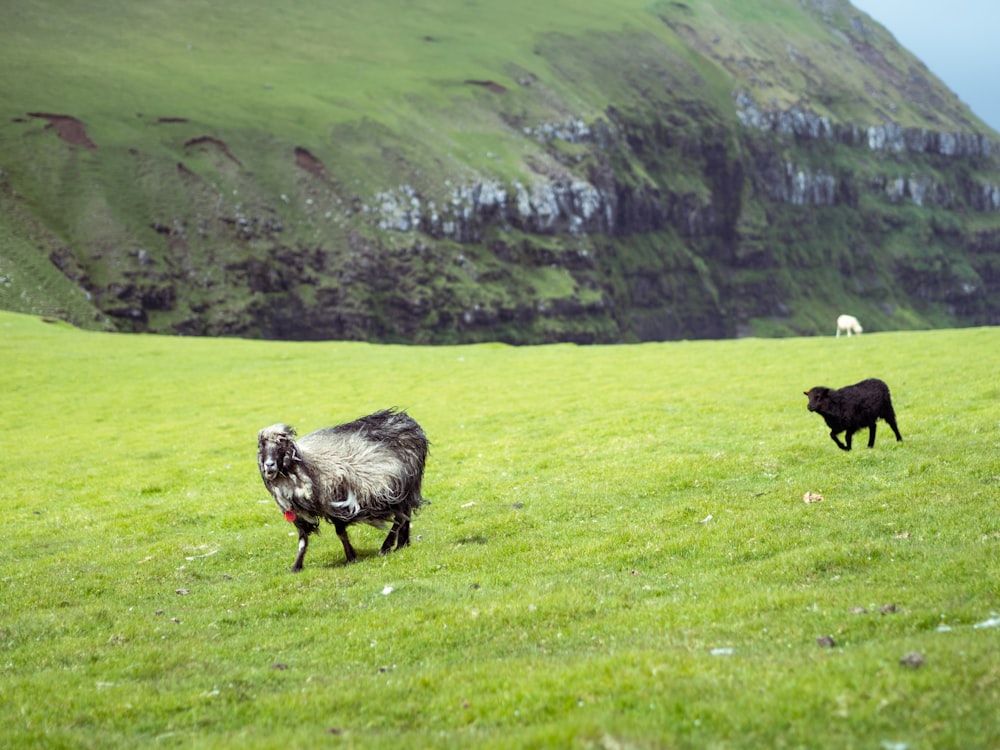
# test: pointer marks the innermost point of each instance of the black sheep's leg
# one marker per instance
(390, 540)
(349, 552)
(891, 421)
(303, 545)
(840, 444)
(403, 536)
(871, 435)
(399, 535)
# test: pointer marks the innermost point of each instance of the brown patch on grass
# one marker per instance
(493, 86)
(305, 160)
(168, 120)
(207, 140)
(68, 128)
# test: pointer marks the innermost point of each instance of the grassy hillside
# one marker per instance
(391, 65)
(788, 57)
(617, 553)
(299, 172)
(396, 63)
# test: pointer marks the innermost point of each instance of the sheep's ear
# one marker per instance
(290, 458)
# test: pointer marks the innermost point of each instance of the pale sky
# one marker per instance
(956, 39)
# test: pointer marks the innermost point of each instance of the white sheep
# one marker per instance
(849, 324)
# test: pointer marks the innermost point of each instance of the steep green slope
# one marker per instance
(588, 171)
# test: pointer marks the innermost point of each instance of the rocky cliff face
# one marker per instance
(784, 163)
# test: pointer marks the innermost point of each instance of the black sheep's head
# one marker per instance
(817, 398)
(276, 450)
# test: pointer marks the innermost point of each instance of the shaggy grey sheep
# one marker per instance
(853, 407)
(366, 471)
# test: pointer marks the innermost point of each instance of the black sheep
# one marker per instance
(853, 407)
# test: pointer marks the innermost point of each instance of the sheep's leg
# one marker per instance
(390, 540)
(303, 545)
(890, 419)
(840, 444)
(871, 435)
(349, 552)
(399, 534)
(403, 535)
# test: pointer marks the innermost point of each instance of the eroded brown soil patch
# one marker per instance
(207, 140)
(305, 160)
(493, 86)
(68, 128)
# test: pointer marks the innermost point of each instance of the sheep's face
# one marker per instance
(276, 451)
(817, 398)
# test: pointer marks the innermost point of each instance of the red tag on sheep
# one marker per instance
(290, 516)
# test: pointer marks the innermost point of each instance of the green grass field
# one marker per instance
(617, 553)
